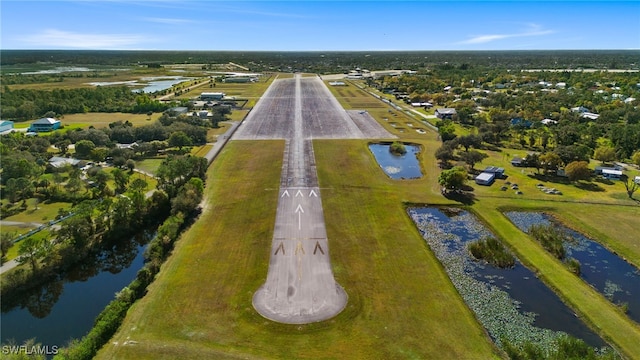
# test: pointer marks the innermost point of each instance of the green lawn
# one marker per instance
(149, 165)
(401, 303)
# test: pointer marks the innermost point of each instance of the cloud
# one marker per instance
(534, 30)
(52, 38)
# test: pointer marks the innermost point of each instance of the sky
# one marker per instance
(319, 25)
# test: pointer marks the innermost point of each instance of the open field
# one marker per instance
(200, 305)
(100, 120)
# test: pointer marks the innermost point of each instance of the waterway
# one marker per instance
(66, 307)
(405, 166)
(615, 278)
(512, 304)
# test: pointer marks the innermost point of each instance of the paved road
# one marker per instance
(300, 287)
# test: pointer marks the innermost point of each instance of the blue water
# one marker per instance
(404, 166)
(161, 84)
(511, 303)
(66, 307)
(615, 278)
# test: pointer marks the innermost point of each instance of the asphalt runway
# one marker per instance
(322, 115)
(300, 287)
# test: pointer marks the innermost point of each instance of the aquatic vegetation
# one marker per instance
(492, 251)
(485, 290)
(616, 279)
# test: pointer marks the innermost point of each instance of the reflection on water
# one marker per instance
(510, 303)
(67, 305)
(404, 166)
(615, 278)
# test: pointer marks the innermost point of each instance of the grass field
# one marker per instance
(399, 297)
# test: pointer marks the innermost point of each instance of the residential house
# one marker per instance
(445, 113)
(5, 126)
(485, 178)
(44, 124)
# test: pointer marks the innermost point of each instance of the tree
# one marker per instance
(6, 240)
(447, 130)
(468, 141)
(453, 179)
(444, 154)
(121, 179)
(32, 250)
(550, 161)
(472, 157)
(84, 148)
(179, 139)
(578, 170)
(605, 154)
(636, 158)
(630, 186)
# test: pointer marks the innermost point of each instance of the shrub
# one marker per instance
(397, 148)
(492, 251)
(550, 238)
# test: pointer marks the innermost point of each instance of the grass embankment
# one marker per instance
(401, 303)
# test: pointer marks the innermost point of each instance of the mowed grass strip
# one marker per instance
(401, 303)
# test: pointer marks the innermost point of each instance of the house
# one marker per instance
(211, 96)
(521, 122)
(485, 178)
(59, 162)
(612, 174)
(498, 171)
(580, 109)
(44, 124)
(5, 126)
(599, 170)
(178, 110)
(589, 115)
(131, 146)
(445, 113)
(548, 122)
(636, 179)
(517, 161)
(426, 105)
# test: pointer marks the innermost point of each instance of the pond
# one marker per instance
(66, 307)
(150, 84)
(512, 303)
(615, 278)
(404, 166)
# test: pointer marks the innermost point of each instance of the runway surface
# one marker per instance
(300, 287)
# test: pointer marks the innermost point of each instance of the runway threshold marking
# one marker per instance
(318, 247)
(281, 247)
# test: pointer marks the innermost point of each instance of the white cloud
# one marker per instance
(534, 30)
(52, 38)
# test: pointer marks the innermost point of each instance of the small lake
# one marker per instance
(150, 84)
(510, 303)
(66, 306)
(615, 278)
(404, 166)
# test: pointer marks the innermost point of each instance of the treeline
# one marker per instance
(185, 194)
(27, 104)
(332, 61)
